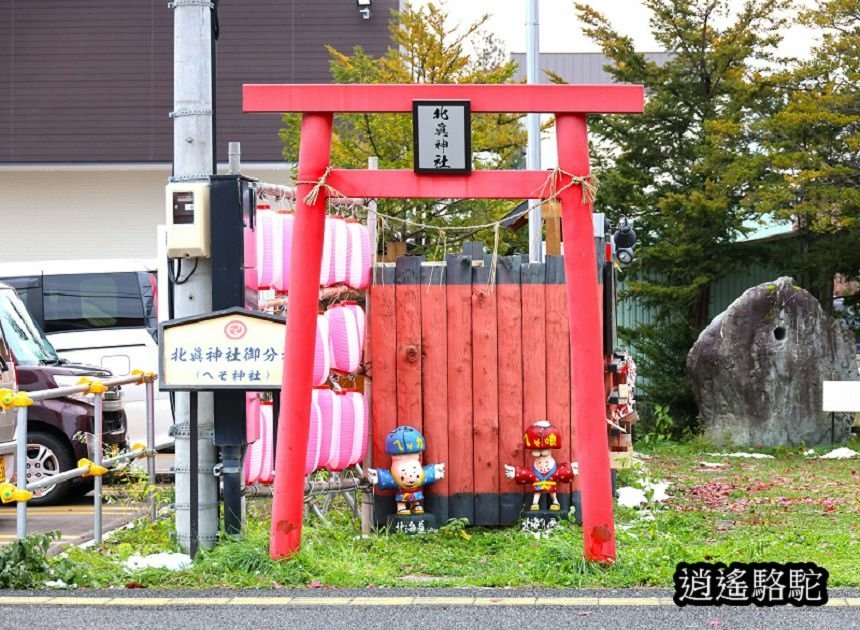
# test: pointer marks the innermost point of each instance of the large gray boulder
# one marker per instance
(758, 368)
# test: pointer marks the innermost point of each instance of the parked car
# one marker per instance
(56, 428)
(8, 417)
(104, 313)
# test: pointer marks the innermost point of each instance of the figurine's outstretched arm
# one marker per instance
(439, 471)
(373, 476)
(510, 471)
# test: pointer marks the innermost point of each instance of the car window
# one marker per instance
(29, 289)
(92, 301)
(28, 343)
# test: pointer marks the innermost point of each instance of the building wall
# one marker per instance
(89, 212)
(92, 80)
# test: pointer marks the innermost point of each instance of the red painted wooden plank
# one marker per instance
(461, 486)
(405, 184)
(510, 345)
(589, 99)
(534, 344)
(434, 374)
(558, 389)
(408, 322)
(383, 362)
(485, 401)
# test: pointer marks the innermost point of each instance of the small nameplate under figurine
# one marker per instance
(408, 477)
(545, 474)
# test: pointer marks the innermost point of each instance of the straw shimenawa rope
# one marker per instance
(549, 191)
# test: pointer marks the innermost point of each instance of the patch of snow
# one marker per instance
(630, 497)
(809, 452)
(172, 561)
(840, 453)
(56, 584)
(713, 465)
(752, 455)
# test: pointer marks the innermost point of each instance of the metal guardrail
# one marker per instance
(98, 466)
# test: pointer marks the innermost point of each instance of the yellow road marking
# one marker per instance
(505, 601)
(447, 601)
(321, 601)
(567, 601)
(628, 601)
(200, 601)
(17, 601)
(852, 601)
(261, 601)
(839, 601)
(80, 601)
(140, 601)
(382, 601)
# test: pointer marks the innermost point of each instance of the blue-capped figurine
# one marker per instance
(406, 474)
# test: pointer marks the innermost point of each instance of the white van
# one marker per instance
(104, 313)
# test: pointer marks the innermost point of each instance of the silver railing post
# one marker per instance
(97, 460)
(21, 469)
(150, 446)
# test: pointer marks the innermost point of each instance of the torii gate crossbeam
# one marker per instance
(570, 104)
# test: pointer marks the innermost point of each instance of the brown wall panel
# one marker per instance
(92, 80)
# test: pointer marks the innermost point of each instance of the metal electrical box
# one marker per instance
(188, 211)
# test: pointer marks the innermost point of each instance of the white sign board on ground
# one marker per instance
(841, 396)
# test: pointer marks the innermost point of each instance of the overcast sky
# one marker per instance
(560, 30)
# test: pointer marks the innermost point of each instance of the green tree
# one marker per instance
(813, 150)
(683, 169)
(426, 48)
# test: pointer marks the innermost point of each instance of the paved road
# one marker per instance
(74, 519)
(405, 608)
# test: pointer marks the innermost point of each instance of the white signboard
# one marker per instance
(841, 396)
(442, 134)
(230, 349)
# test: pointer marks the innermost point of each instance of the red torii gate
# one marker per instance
(318, 104)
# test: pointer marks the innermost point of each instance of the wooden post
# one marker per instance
(552, 214)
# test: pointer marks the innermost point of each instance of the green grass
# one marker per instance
(791, 508)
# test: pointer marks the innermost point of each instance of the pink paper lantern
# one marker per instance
(330, 414)
(282, 259)
(252, 417)
(359, 255)
(360, 321)
(265, 248)
(267, 466)
(254, 452)
(340, 251)
(346, 343)
(312, 459)
(322, 352)
(354, 422)
(249, 254)
(327, 260)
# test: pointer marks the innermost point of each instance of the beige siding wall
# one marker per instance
(81, 214)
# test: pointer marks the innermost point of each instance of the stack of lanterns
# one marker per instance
(339, 420)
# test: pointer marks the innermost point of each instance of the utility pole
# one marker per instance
(193, 160)
(533, 128)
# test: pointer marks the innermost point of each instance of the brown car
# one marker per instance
(57, 428)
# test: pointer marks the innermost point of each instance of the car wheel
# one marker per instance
(47, 456)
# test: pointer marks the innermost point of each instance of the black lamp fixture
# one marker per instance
(624, 240)
(364, 8)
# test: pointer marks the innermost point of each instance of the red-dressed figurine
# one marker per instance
(545, 474)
